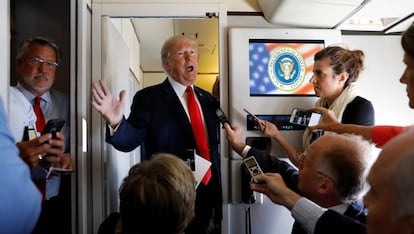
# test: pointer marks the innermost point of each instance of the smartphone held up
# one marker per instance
(304, 117)
(53, 126)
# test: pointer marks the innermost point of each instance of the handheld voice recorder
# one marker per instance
(253, 167)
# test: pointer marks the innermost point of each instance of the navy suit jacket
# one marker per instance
(159, 123)
(333, 222)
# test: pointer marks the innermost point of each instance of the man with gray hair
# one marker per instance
(36, 62)
(332, 173)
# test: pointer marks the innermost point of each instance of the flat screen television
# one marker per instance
(282, 66)
(250, 51)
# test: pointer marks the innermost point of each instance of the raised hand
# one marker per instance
(234, 136)
(268, 128)
(102, 100)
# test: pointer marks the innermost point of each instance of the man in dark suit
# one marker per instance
(331, 174)
(160, 122)
(389, 199)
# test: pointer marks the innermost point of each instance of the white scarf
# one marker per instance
(338, 106)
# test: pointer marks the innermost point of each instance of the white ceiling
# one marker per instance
(152, 32)
(358, 15)
(390, 12)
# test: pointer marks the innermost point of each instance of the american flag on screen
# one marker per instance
(267, 67)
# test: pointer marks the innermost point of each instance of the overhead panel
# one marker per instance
(309, 13)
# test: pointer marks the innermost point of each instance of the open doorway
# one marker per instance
(174, 18)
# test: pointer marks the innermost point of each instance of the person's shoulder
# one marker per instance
(359, 99)
(56, 94)
(201, 90)
(152, 90)
(110, 224)
(17, 97)
(360, 102)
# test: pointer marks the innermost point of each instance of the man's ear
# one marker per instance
(167, 66)
(326, 185)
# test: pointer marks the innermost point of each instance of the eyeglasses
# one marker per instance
(39, 62)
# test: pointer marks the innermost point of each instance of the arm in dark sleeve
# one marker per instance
(126, 137)
(360, 111)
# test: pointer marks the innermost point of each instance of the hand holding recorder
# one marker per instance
(253, 167)
(234, 136)
(222, 117)
(273, 186)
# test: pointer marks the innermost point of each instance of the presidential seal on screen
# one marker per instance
(286, 68)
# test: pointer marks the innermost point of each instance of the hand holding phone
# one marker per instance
(305, 118)
(53, 126)
(248, 112)
(260, 122)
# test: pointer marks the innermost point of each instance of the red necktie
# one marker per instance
(40, 124)
(198, 130)
(40, 118)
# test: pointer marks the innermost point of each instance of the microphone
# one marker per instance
(222, 117)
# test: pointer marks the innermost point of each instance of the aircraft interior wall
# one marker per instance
(379, 83)
(383, 68)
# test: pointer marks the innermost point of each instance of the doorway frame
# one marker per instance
(96, 144)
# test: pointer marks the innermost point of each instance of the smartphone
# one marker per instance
(253, 167)
(248, 112)
(222, 117)
(53, 126)
(305, 118)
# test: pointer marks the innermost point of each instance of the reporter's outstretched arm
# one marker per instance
(330, 123)
(269, 129)
(234, 136)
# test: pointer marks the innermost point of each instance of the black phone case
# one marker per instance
(53, 126)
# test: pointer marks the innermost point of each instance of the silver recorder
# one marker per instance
(253, 167)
